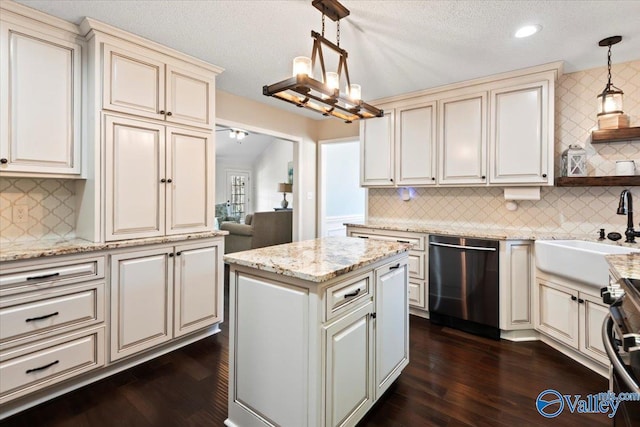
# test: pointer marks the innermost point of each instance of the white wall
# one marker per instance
(268, 170)
(343, 194)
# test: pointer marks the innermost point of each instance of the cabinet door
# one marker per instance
(392, 323)
(416, 145)
(141, 303)
(592, 313)
(40, 102)
(463, 139)
(190, 181)
(558, 312)
(376, 151)
(516, 285)
(349, 367)
(189, 98)
(519, 142)
(133, 83)
(198, 287)
(135, 165)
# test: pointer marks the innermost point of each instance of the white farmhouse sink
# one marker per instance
(577, 260)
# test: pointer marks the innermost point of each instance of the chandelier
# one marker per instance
(324, 96)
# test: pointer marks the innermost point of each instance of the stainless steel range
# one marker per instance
(621, 336)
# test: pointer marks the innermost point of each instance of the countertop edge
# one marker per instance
(20, 251)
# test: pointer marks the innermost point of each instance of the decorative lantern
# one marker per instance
(610, 100)
(574, 161)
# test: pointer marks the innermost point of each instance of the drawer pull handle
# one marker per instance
(363, 237)
(42, 367)
(46, 316)
(393, 267)
(44, 276)
(352, 294)
(402, 241)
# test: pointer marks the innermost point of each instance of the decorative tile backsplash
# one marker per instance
(50, 204)
(575, 210)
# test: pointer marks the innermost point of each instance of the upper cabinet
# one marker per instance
(399, 148)
(521, 141)
(463, 139)
(137, 83)
(496, 131)
(40, 97)
(376, 151)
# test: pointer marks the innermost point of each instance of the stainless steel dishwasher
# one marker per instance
(464, 284)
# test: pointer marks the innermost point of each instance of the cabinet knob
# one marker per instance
(171, 255)
(169, 180)
(162, 112)
(391, 179)
(544, 175)
(163, 180)
(573, 297)
(580, 301)
(169, 113)
(373, 315)
(483, 177)
(433, 178)
(178, 253)
(4, 161)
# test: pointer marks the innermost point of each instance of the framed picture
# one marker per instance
(290, 172)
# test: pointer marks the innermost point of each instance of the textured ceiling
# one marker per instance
(394, 47)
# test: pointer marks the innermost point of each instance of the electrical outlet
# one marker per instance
(20, 214)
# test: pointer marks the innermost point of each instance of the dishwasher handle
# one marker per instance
(473, 248)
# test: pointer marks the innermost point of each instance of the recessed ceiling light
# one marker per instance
(528, 30)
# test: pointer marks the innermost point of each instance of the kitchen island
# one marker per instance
(318, 330)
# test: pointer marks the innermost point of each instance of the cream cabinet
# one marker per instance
(52, 322)
(572, 316)
(462, 139)
(158, 179)
(339, 344)
(141, 83)
(418, 262)
(516, 285)
(415, 147)
(400, 148)
(158, 294)
(519, 134)
(40, 97)
(492, 131)
(377, 151)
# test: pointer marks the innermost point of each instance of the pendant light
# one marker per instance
(610, 100)
(322, 94)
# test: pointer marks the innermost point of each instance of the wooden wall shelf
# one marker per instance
(612, 135)
(598, 181)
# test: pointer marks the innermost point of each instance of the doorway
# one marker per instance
(340, 198)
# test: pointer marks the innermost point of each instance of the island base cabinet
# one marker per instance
(392, 324)
(296, 362)
(349, 354)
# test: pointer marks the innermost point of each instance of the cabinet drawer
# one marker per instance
(37, 312)
(416, 241)
(50, 274)
(346, 294)
(416, 265)
(27, 369)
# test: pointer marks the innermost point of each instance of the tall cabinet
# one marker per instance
(152, 111)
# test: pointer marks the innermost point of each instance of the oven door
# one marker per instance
(622, 378)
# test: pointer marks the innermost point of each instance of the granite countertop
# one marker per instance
(51, 247)
(485, 233)
(627, 265)
(317, 260)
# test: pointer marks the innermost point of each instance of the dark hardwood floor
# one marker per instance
(454, 379)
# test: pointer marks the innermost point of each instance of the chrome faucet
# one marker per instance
(625, 207)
